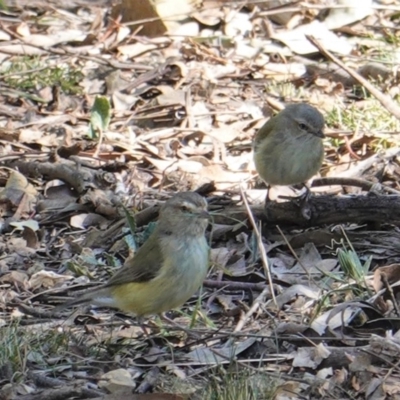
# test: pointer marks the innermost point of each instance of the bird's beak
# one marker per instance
(320, 134)
(204, 214)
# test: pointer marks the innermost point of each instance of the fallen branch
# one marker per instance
(323, 210)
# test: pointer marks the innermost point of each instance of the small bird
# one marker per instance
(169, 267)
(288, 149)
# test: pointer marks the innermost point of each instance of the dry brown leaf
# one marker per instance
(389, 274)
(221, 256)
(310, 357)
(47, 279)
(296, 39)
(116, 379)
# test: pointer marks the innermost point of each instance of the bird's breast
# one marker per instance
(184, 267)
(287, 160)
(187, 267)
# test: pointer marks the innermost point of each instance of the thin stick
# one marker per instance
(385, 100)
(260, 244)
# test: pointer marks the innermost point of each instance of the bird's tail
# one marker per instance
(99, 296)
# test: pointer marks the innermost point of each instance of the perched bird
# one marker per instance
(169, 267)
(288, 149)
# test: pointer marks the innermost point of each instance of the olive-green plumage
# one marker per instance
(288, 149)
(169, 267)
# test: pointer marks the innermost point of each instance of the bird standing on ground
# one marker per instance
(169, 267)
(288, 149)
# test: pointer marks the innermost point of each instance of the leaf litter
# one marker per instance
(96, 120)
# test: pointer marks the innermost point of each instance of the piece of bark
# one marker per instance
(78, 177)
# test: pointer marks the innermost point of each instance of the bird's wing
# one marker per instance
(143, 267)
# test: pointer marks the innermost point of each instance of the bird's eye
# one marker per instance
(303, 127)
(184, 208)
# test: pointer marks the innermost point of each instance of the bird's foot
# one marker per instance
(302, 200)
(172, 323)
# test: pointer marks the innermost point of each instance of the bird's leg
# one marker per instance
(306, 195)
(146, 331)
(170, 321)
(138, 321)
(268, 202)
(147, 334)
(267, 199)
(304, 199)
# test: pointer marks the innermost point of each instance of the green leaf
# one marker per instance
(131, 220)
(78, 269)
(100, 116)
